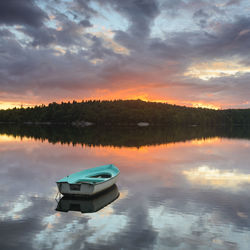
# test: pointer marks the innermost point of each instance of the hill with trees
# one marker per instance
(123, 113)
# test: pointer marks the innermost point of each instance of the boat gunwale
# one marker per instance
(90, 183)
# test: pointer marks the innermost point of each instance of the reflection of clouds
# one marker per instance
(62, 231)
(62, 238)
(123, 194)
(14, 209)
(18, 233)
(205, 175)
(227, 208)
(106, 227)
(242, 215)
(194, 231)
(48, 221)
(157, 207)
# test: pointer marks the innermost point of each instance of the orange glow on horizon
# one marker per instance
(116, 96)
(207, 106)
(146, 98)
(11, 105)
(209, 140)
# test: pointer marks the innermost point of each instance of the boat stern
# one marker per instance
(66, 188)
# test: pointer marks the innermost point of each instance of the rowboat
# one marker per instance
(89, 182)
(89, 204)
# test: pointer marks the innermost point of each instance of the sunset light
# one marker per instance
(72, 50)
(11, 105)
(207, 106)
(125, 124)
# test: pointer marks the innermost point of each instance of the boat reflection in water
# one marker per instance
(88, 204)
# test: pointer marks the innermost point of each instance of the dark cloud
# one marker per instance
(140, 14)
(232, 2)
(42, 69)
(231, 39)
(201, 18)
(85, 23)
(225, 41)
(41, 37)
(176, 8)
(69, 33)
(200, 14)
(82, 7)
(24, 12)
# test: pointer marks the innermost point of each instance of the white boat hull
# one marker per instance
(84, 188)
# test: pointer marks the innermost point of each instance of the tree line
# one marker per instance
(123, 113)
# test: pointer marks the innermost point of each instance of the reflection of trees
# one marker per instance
(121, 136)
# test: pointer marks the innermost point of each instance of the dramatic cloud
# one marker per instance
(139, 13)
(21, 12)
(86, 23)
(183, 52)
(201, 17)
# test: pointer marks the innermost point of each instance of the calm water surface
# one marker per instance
(192, 194)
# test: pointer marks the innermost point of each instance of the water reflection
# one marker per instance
(205, 175)
(120, 136)
(90, 204)
(180, 194)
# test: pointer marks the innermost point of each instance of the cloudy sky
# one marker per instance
(187, 52)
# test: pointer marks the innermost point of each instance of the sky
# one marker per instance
(186, 52)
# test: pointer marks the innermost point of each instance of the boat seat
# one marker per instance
(90, 180)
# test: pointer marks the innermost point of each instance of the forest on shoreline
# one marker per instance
(123, 113)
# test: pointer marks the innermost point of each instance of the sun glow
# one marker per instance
(146, 98)
(207, 106)
(118, 96)
(126, 95)
(8, 105)
(11, 105)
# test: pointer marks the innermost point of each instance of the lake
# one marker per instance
(179, 188)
